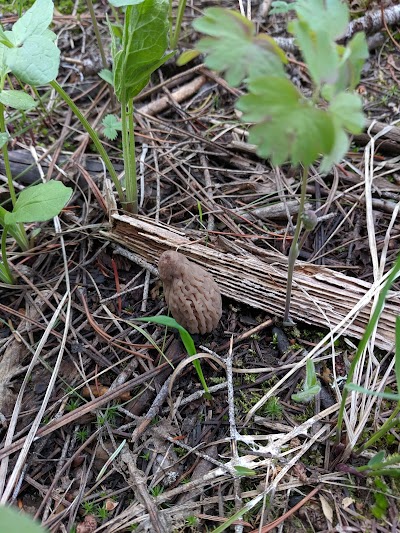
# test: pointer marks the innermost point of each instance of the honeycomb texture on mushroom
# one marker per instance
(192, 295)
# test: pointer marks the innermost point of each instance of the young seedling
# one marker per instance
(311, 386)
(288, 127)
(21, 53)
(186, 339)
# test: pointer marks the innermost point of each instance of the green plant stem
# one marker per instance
(5, 272)
(387, 426)
(6, 159)
(178, 24)
(364, 340)
(294, 248)
(18, 231)
(128, 146)
(93, 135)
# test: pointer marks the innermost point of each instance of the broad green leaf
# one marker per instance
(34, 22)
(106, 75)
(39, 203)
(319, 52)
(352, 62)
(123, 3)
(233, 47)
(186, 57)
(4, 137)
(3, 65)
(14, 521)
(340, 148)
(287, 127)
(36, 62)
(347, 115)
(329, 16)
(17, 100)
(144, 43)
(347, 109)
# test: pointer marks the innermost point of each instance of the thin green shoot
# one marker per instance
(186, 338)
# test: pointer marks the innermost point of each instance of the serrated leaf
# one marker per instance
(340, 147)
(279, 7)
(318, 50)
(36, 62)
(39, 203)
(111, 126)
(4, 137)
(233, 47)
(287, 126)
(17, 100)
(144, 43)
(329, 16)
(352, 62)
(347, 109)
(186, 57)
(106, 75)
(34, 22)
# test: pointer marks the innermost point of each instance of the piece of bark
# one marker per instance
(320, 296)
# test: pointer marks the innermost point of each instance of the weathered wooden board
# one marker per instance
(320, 295)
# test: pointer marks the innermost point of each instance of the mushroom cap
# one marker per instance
(191, 293)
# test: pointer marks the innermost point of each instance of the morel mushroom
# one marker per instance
(192, 295)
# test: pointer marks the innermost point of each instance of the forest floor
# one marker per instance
(126, 440)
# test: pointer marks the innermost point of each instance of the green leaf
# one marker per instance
(17, 100)
(39, 203)
(36, 62)
(397, 352)
(13, 521)
(144, 43)
(232, 46)
(377, 459)
(243, 471)
(111, 125)
(34, 22)
(4, 137)
(347, 115)
(279, 7)
(347, 110)
(329, 16)
(172, 323)
(106, 75)
(186, 57)
(287, 126)
(319, 52)
(123, 3)
(353, 57)
(340, 147)
(3, 65)
(186, 338)
(311, 385)
(385, 395)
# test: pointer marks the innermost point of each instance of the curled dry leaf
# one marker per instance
(192, 295)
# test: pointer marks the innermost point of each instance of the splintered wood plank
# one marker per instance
(257, 277)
